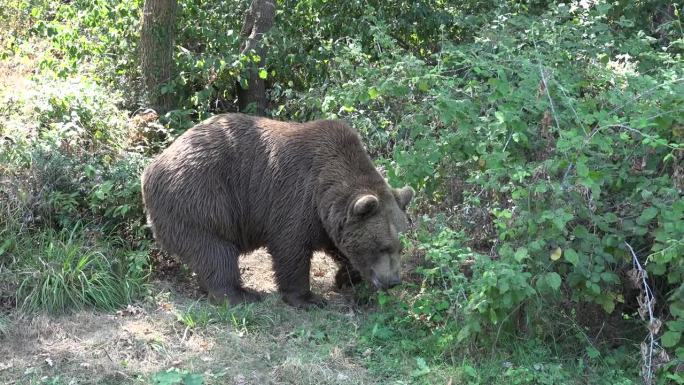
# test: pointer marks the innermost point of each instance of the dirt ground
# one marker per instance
(173, 328)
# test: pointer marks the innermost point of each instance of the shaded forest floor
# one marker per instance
(175, 327)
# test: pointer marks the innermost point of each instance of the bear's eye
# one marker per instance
(385, 250)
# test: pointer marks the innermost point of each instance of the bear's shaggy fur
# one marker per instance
(235, 183)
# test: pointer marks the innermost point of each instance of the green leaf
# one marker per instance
(657, 268)
(680, 353)
(423, 368)
(608, 306)
(193, 379)
(677, 326)
(520, 254)
(500, 117)
(572, 257)
(443, 305)
(90, 170)
(263, 74)
(553, 280)
(448, 110)
(582, 169)
(469, 370)
(167, 378)
(463, 334)
(592, 352)
(383, 298)
(646, 194)
(647, 215)
(670, 338)
(677, 309)
(503, 286)
(5, 245)
(423, 86)
(607, 302)
(373, 93)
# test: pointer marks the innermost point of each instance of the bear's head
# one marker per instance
(369, 237)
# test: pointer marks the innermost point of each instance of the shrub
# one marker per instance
(76, 165)
(555, 137)
(74, 234)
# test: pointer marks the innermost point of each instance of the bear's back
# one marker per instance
(245, 178)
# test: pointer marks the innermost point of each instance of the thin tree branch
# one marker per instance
(648, 296)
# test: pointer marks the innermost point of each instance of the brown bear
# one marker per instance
(235, 183)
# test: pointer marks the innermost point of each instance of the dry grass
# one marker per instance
(14, 75)
(267, 343)
(16, 70)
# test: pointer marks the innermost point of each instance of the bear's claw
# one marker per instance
(304, 300)
(235, 297)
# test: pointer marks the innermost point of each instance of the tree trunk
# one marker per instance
(258, 20)
(156, 51)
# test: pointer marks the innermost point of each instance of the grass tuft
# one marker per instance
(63, 271)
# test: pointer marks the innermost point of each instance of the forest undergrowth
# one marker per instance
(545, 141)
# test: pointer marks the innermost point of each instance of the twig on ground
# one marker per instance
(107, 354)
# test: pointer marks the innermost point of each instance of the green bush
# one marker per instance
(72, 226)
(94, 37)
(78, 163)
(551, 143)
(100, 38)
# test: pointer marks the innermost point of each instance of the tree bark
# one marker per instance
(156, 51)
(258, 20)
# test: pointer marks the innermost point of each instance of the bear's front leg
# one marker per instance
(292, 268)
(347, 276)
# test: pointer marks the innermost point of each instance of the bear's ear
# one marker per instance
(403, 196)
(365, 204)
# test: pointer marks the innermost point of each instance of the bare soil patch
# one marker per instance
(273, 344)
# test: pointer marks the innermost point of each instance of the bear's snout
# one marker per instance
(394, 281)
(386, 272)
(385, 282)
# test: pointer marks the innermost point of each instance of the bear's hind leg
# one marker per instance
(215, 261)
